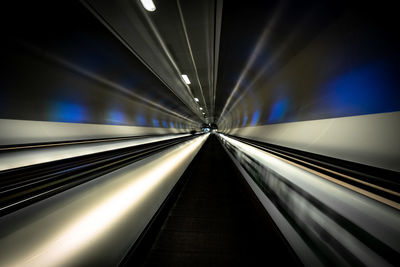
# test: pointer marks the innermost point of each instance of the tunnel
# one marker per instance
(199, 133)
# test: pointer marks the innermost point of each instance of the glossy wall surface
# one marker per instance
(308, 75)
(64, 66)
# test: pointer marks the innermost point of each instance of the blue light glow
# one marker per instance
(156, 123)
(278, 111)
(65, 111)
(365, 90)
(116, 117)
(165, 124)
(245, 118)
(255, 118)
(141, 120)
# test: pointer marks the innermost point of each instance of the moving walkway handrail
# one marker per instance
(339, 224)
(23, 186)
(384, 183)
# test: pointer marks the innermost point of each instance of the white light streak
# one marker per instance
(148, 5)
(47, 154)
(186, 78)
(94, 217)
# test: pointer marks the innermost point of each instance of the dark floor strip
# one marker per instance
(216, 221)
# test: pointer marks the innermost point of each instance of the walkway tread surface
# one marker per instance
(214, 222)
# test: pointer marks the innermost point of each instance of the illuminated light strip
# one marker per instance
(96, 214)
(186, 78)
(326, 177)
(148, 5)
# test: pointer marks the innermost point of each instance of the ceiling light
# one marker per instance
(201, 108)
(148, 5)
(196, 99)
(185, 78)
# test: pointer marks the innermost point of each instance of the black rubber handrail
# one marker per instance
(379, 181)
(6, 148)
(23, 186)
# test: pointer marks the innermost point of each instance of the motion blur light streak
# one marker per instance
(268, 66)
(91, 217)
(45, 153)
(97, 78)
(97, 221)
(102, 114)
(260, 45)
(185, 77)
(296, 190)
(168, 54)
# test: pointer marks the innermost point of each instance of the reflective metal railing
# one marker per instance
(326, 221)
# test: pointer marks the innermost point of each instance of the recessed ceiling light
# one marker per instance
(201, 108)
(148, 5)
(186, 78)
(196, 99)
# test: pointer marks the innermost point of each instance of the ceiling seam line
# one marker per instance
(217, 37)
(126, 44)
(190, 51)
(167, 53)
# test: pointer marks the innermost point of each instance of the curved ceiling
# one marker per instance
(249, 63)
(264, 62)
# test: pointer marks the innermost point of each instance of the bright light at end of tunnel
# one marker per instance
(148, 5)
(196, 99)
(186, 78)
